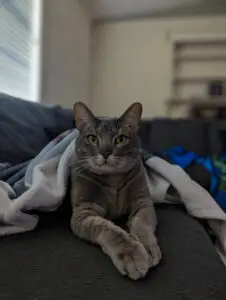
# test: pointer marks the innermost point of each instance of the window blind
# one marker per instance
(16, 47)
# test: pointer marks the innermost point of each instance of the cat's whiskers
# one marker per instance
(78, 162)
(81, 160)
(81, 164)
(80, 168)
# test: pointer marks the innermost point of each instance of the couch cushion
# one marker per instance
(26, 127)
(50, 263)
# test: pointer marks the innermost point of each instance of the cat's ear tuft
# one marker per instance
(83, 116)
(132, 115)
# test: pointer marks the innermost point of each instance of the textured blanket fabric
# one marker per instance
(14, 176)
(47, 179)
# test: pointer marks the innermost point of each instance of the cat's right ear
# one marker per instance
(84, 118)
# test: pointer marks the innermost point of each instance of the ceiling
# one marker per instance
(124, 9)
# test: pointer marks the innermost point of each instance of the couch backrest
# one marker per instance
(160, 134)
(26, 127)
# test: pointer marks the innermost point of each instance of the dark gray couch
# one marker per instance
(50, 263)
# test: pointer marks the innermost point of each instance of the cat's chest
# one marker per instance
(116, 201)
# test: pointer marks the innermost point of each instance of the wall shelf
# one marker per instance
(198, 105)
(198, 39)
(200, 58)
(200, 79)
(213, 101)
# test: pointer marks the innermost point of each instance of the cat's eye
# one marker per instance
(121, 140)
(92, 139)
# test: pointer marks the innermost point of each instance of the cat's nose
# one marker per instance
(106, 154)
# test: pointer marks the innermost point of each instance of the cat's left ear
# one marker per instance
(132, 115)
(84, 118)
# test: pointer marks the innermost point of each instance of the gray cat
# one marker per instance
(108, 181)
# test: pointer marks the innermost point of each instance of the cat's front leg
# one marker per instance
(142, 224)
(128, 255)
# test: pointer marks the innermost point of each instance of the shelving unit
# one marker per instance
(197, 61)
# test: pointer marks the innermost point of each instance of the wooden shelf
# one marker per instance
(207, 58)
(197, 106)
(200, 79)
(199, 39)
(198, 101)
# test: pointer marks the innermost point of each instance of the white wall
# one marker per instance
(66, 53)
(132, 61)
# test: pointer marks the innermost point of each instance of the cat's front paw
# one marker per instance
(132, 260)
(154, 254)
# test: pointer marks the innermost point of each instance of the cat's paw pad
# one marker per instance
(154, 254)
(132, 261)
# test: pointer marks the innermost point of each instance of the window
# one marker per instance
(20, 29)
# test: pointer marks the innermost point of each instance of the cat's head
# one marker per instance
(107, 146)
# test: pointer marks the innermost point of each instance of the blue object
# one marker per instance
(215, 166)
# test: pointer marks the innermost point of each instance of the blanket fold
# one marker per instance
(46, 181)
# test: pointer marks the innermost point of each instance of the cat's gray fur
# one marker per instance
(109, 181)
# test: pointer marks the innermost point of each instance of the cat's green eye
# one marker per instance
(92, 139)
(121, 140)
